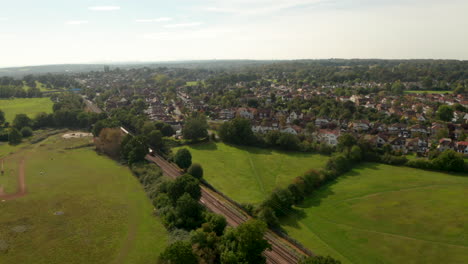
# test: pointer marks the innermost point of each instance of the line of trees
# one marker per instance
(198, 236)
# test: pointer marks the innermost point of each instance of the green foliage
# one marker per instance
(182, 185)
(393, 160)
(268, 216)
(183, 158)
(14, 137)
(105, 123)
(449, 160)
(134, 149)
(339, 164)
(26, 132)
(22, 120)
(320, 260)
(245, 244)
(444, 113)
(217, 223)
(178, 252)
(155, 139)
(238, 131)
(188, 212)
(2, 117)
(355, 153)
(196, 171)
(346, 141)
(398, 88)
(195, 128)
(288, 141)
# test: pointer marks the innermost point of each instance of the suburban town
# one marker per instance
(233, 132)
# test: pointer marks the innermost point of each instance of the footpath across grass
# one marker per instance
(385, 214)
(29, 106)
(248, 174)
(80, 207)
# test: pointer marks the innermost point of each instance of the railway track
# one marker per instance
(281, 251)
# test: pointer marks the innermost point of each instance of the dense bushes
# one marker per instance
(177, 203)
(448, 160)
(238, 131)
(281, 200)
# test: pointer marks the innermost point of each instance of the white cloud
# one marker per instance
(76, 22)
(183, 25)
(3, 18)
(104, 8)
(259, 7)
(161, 19)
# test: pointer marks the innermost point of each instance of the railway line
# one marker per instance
(282, 252)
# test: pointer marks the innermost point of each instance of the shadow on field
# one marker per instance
(205, 146)
(316, 197)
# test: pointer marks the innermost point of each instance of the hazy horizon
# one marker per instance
(117, 31)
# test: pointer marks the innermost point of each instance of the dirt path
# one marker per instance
(21, 191)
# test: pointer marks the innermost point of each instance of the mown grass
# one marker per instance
(385, 214)
(29, 106)
(107, 217)
(248, 174)
(192, 83)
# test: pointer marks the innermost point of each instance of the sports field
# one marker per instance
(77, 207)
(385, 214)
(248, 174)
(29, 106)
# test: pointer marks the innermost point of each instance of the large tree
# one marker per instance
(109, 141)
(183, 158)
(21, 120)
(245, 244)
(195, 127)
(178, 252)
(14, 137)
(184, 184)
(445, 113)
(237, 131)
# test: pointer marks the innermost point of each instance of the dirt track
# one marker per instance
(21, 191)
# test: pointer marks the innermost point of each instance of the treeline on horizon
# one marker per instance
(324, 70)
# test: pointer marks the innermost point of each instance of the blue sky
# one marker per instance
(85, 31)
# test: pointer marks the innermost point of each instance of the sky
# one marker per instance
(36, 32)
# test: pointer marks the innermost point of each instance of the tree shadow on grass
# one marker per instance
(316, 197)
(205, 146)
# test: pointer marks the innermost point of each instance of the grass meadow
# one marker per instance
(29, 106)
(248, 174)
(80, 207)
(384, 214)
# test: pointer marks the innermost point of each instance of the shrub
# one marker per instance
(14, 137)
(196, 171)
(26, 132)
(183, 158)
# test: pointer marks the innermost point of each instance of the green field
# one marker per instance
(248, 174)
(29, 106)
(385, 214)
(106, 218)
(429, 92)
